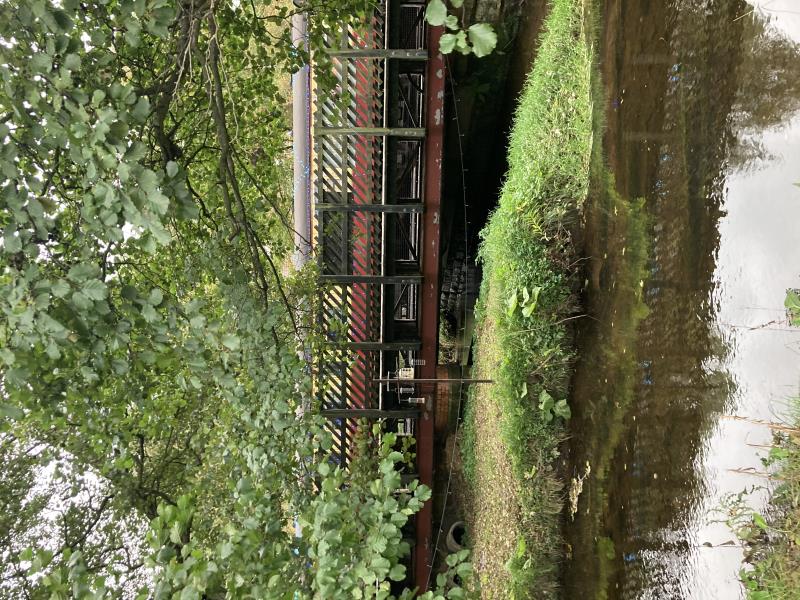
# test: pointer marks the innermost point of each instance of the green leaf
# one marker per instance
(760, 522)
(436, 13)
(94, 289)
(447, 43)
(528, 309)
(512, 303)
(461, 43)
(149, 313)
(172, 168)
(792, 304)
(129, 292)
(231, 341)
(81, 301)
(156, 297)
(226, 550)
(11, 412)
(159, 202)
(82, 271)
(141, 110)
(397, 573)
(546, 401)
(561, 409)
(792, 301)
(62, 19)
(11, 243)
(7, 356)
(451, 22)
(483, 39)
(60, 288)
(72, 62)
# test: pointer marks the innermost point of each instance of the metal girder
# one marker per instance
(374, 208)
(403, 132)
(378, 53)
(369, 413)
(377, 279)
(429, 301)
(377, 346)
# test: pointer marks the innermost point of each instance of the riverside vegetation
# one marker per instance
(775, 540)
(512, 429)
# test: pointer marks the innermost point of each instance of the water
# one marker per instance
(692, 237)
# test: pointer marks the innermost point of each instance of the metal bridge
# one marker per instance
(376, 176)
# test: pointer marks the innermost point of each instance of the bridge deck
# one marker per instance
(378, 138)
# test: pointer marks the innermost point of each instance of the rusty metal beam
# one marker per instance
(429, 380)
(379, 53)
(376, 279)
(403, 132)
(376, 346)
(369, 413)
(372, 208)
(429, 321)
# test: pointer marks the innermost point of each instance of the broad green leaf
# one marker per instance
(546, 401)
(149, 313)
(231, 341)
(94, 289)
(483, 39)
(11, 243)
(72, 62)
(528, 309)
(7, 356)
(11, 412)
(142, 109)
(81, 300)
(82, 271)
(397, 572)
(436, 12)
(512, 302)
(461, 43)
(156, 297)
(792, 304)
(561, 409)
(447, 43)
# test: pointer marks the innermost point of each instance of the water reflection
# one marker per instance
(691, 87)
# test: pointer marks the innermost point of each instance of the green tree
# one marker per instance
(159, 434)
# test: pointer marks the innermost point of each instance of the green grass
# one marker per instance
(776, 563)
(526, 250)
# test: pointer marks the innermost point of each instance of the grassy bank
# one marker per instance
(776, 539)
(522, 342)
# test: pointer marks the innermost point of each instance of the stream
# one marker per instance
(691, 239)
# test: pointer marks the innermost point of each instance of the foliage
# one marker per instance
(773, 540)
(479, 39)
(553, 408)
(159, 427)
(525, 295)
(792, 304)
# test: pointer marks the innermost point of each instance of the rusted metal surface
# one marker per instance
(429, 321)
